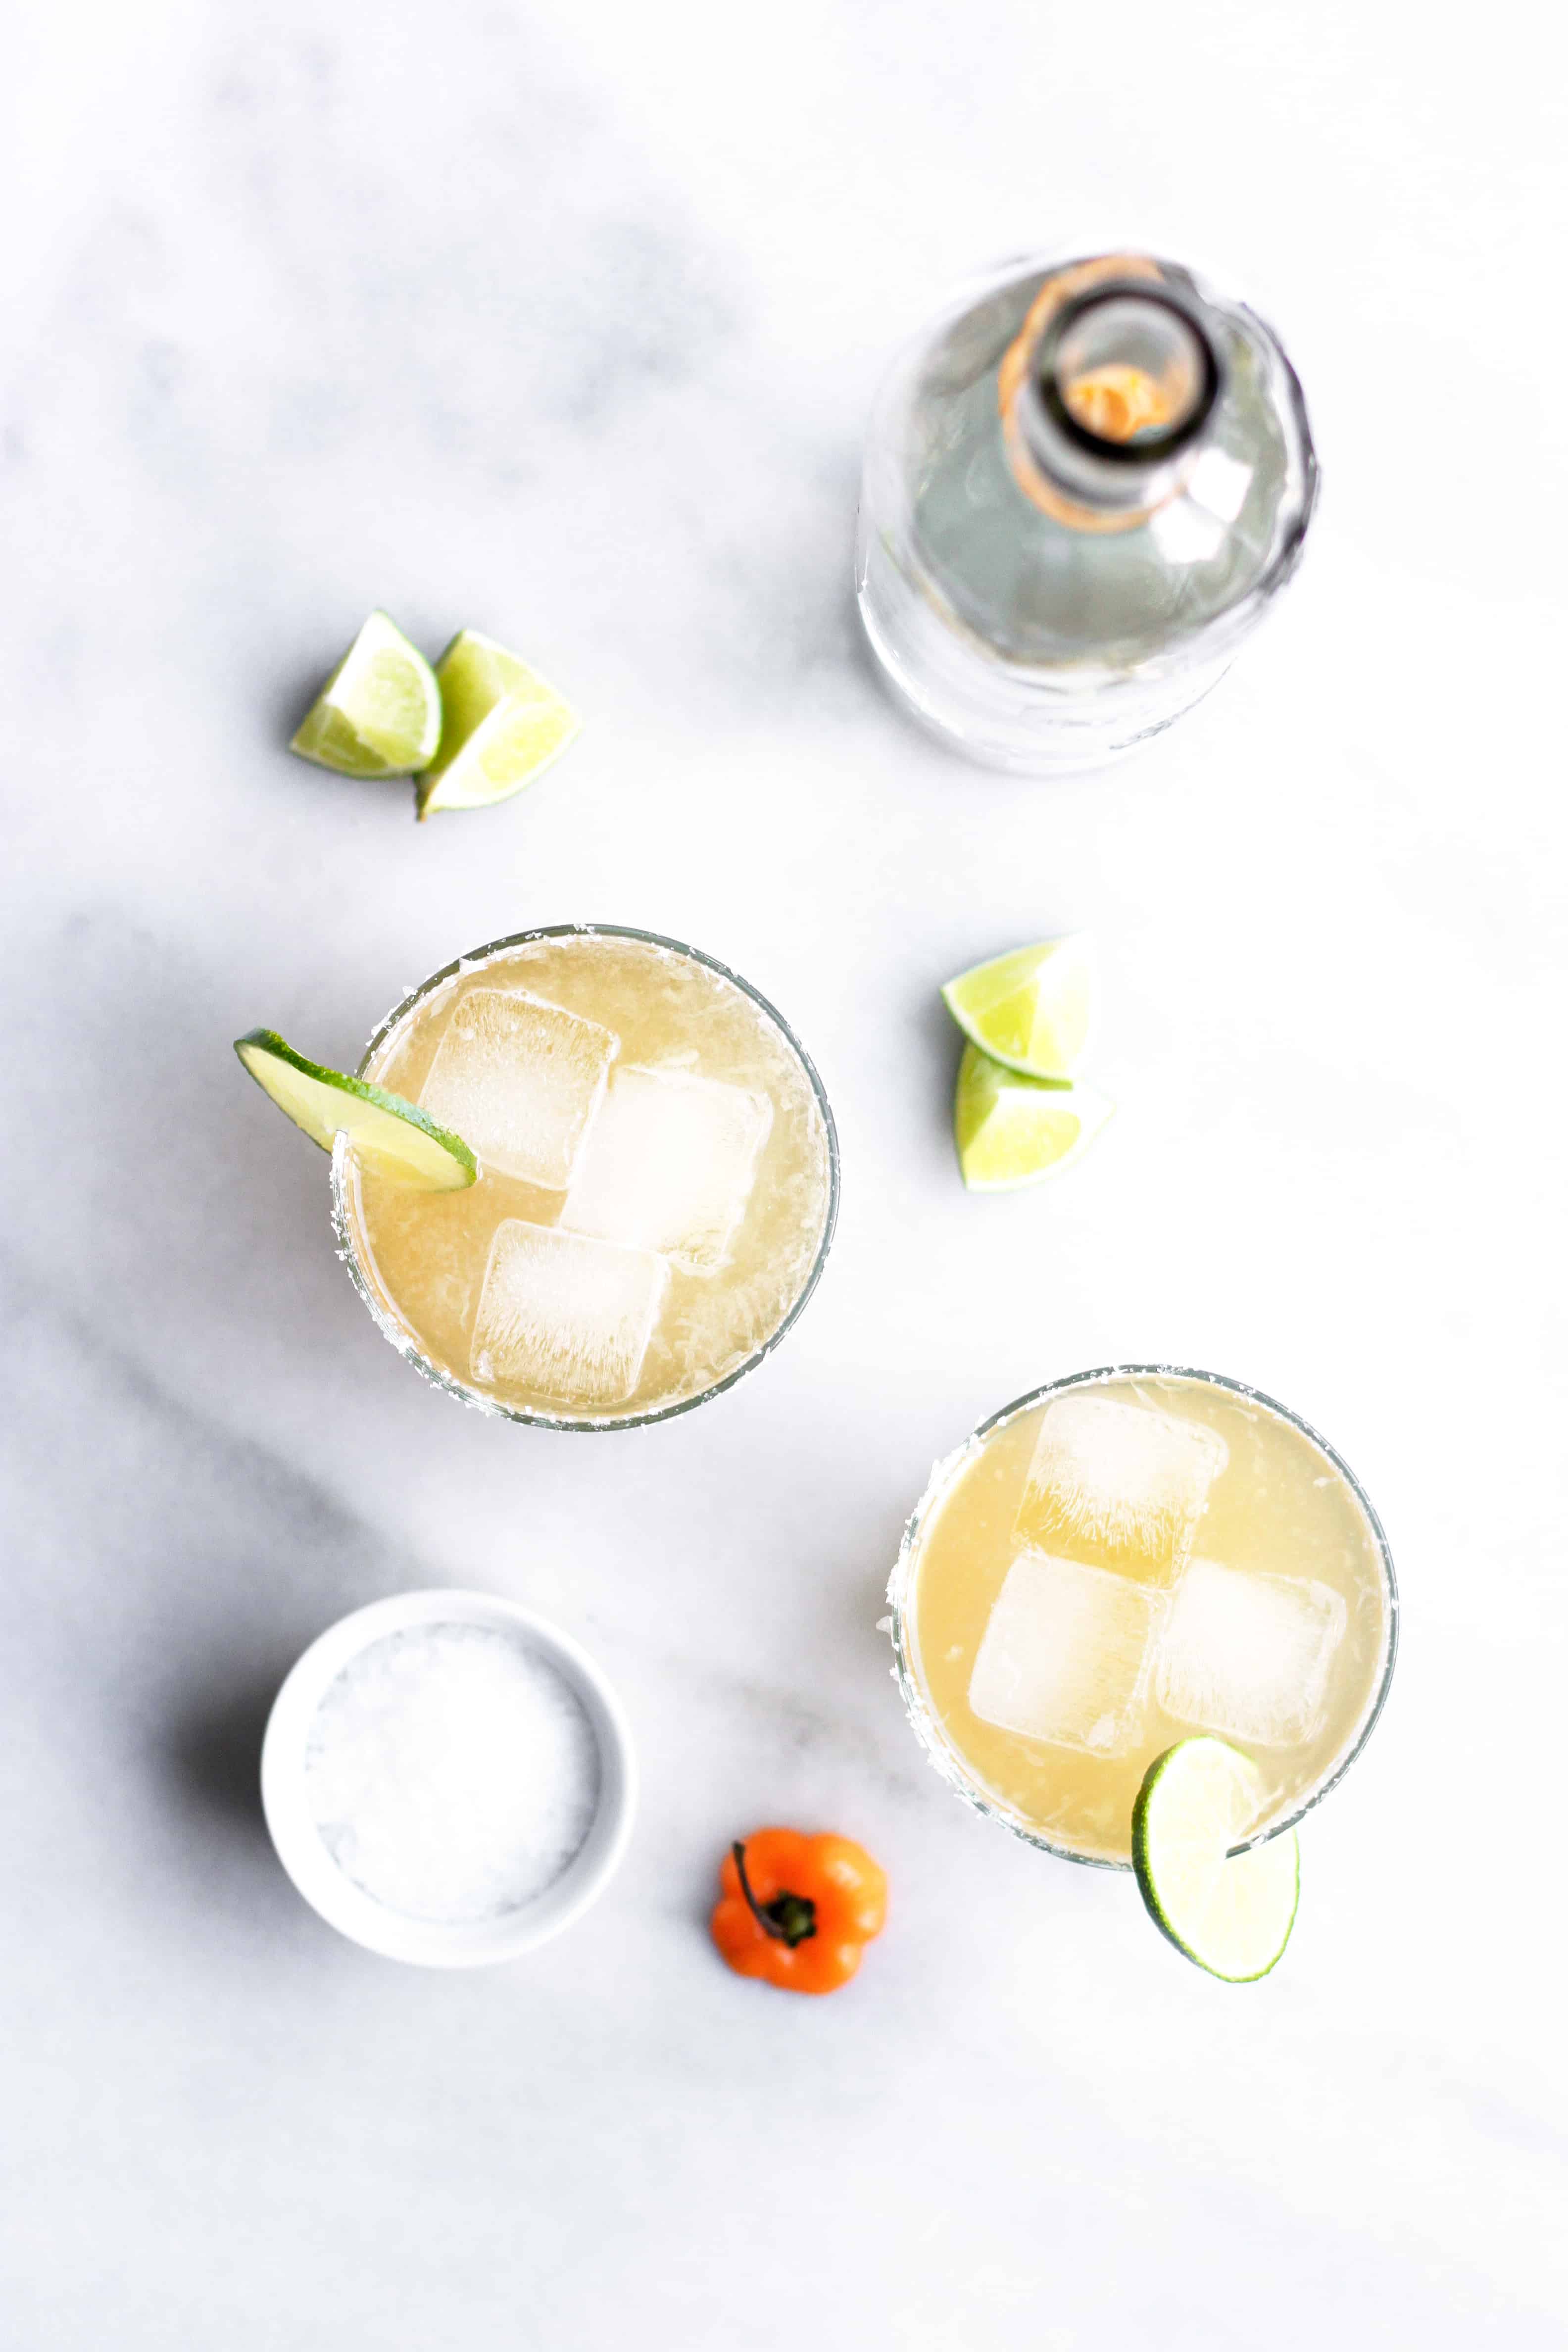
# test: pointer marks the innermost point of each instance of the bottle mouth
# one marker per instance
(1127, 375)
(1106, 401)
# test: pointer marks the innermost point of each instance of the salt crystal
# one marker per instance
(452, 1773)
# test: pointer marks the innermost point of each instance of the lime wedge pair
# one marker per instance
(1231, 1913)
(392, 1138)
(1021, 1113)
(476, 728)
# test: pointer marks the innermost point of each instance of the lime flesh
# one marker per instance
(502, 726)
(1012, 1130)
(1231, 1913)
(391, 1137)
(379, 714)
(1033, 1010)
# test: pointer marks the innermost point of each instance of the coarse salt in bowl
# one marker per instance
(447, 1779)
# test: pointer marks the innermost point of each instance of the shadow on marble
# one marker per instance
(283, 704)
(212, 1750)
(207, 1223)
(942, 1044)
(860, 1591)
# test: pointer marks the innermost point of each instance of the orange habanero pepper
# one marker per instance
(798, 1911)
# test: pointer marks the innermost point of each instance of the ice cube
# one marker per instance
(1120, 1486)
(566, 1317)
(1064, 1654)
(1248, 1656)
(669, 1165)
(519, 1079)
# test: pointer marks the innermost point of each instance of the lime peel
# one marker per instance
(1033, 1010)
(1231, 1913)
(379, 714)
(391, 1136)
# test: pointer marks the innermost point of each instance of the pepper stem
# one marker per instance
(791, 1918)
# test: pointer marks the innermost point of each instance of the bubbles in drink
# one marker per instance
(1118, 1484)
(565, 1316)
(1247, 1656)
(1064, 1654)
(519, 1079)
(669, 1165)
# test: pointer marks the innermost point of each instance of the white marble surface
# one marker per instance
(563, 321)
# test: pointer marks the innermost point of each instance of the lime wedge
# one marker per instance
(379, 714)
(500, 726)
(1231, 1913)
(391, 1137)
(1012, 1130)
(1033, 1009)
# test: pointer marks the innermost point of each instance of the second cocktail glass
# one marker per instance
(1121, 1560)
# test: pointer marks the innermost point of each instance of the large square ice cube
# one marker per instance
(1118, 1484)
(1064, 1654)
(1248, 1655)
(519, 1079)
(566, 1315)
(669, 1165)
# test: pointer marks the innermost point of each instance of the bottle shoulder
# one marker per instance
(946, 501)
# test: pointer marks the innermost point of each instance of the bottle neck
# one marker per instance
(1106, 394)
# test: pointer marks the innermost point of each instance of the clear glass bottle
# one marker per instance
(1084, 485)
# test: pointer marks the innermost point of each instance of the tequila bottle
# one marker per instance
(1083, 488)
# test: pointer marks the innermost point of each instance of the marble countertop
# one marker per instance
(562, 323)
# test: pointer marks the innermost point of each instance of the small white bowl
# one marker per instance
(435, 1944)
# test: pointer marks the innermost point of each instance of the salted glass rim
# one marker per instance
(404, 1340)
(899, 1624)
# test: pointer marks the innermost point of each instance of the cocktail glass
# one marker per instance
(680, 973)
(1368, 1576)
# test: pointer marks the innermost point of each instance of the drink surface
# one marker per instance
(655, 1179)
(1124, 1564)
